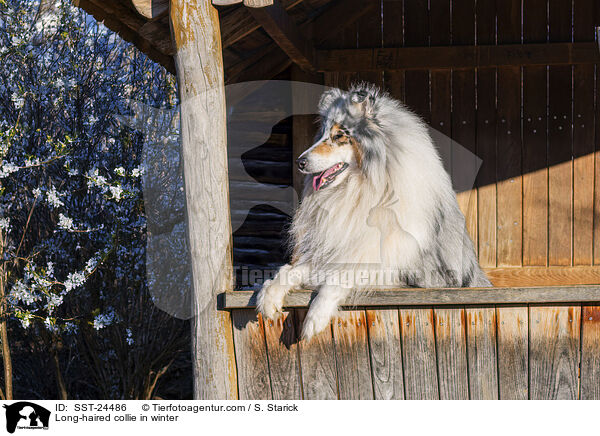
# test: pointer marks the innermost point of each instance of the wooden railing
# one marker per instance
(434, 296)
(488, 343)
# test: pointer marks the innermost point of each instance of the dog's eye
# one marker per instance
(338, 136)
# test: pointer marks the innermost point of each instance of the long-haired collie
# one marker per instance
(378, 210)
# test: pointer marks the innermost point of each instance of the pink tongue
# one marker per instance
(320, 179)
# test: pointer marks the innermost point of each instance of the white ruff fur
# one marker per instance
(391, 219)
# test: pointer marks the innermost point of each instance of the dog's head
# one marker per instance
(348, 140)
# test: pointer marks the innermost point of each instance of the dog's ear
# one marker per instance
(362, 102)
(328, 98)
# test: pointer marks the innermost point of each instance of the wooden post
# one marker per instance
(199, 61)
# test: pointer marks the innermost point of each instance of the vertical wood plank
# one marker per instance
(511, 321)
(369, 35)
(583, 140)
(509, 200)
(596, 248)
(535, 171)
(590, 353)
(554, 352)
(477, 132)
(282, 354)
(352, 355)
(416, 33)
(560, 179)
(481, 352)
(441, 115)
(418, 354)
(463, 117)
(386, 354)
(486, 139)
(317, 364)
(513, 358)
(393, 36)
(251, 356)
(347, 38)
(417, 325)
(451, 353)
(441, 83)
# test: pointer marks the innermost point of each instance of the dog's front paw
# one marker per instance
(315, 322)
(269, 301)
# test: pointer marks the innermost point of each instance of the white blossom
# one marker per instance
(50, 269)
(64, 222)
(5, 223)
(7, 168)
(26, 320)
(17, 100)
(20, 292)
(119, 171)
(90, 265)
(137, 172)
(74, 280)
(53, 198)
(116, 192)
(54, 301)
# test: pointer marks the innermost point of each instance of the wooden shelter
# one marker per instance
(515, 82)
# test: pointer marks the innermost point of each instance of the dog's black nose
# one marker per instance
(301, 162)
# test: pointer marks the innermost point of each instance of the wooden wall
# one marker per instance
(533, 213)
(535, 200)
(485, 353)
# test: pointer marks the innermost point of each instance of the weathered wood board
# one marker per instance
(386, 354)
(477, 352)
(254, 380)
(352, 355)
(513, 352)
(418, 354)
(282, 348)
(554, 334)
(482, 353)
(317, 364)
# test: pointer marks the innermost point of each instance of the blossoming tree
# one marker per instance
(72, 226)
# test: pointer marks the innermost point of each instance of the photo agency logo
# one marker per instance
(254, 109)
(26, 415)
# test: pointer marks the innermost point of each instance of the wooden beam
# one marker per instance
(127, 25)
(199, 62)
(225, 2)
(271, 61)
(280, 26)
(239, 23)
(159, 35)
(429, 297)
(151, 9)
(544, 276)
(257, 3)
(455, 57)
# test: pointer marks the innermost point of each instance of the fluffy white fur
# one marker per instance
(391, 215)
